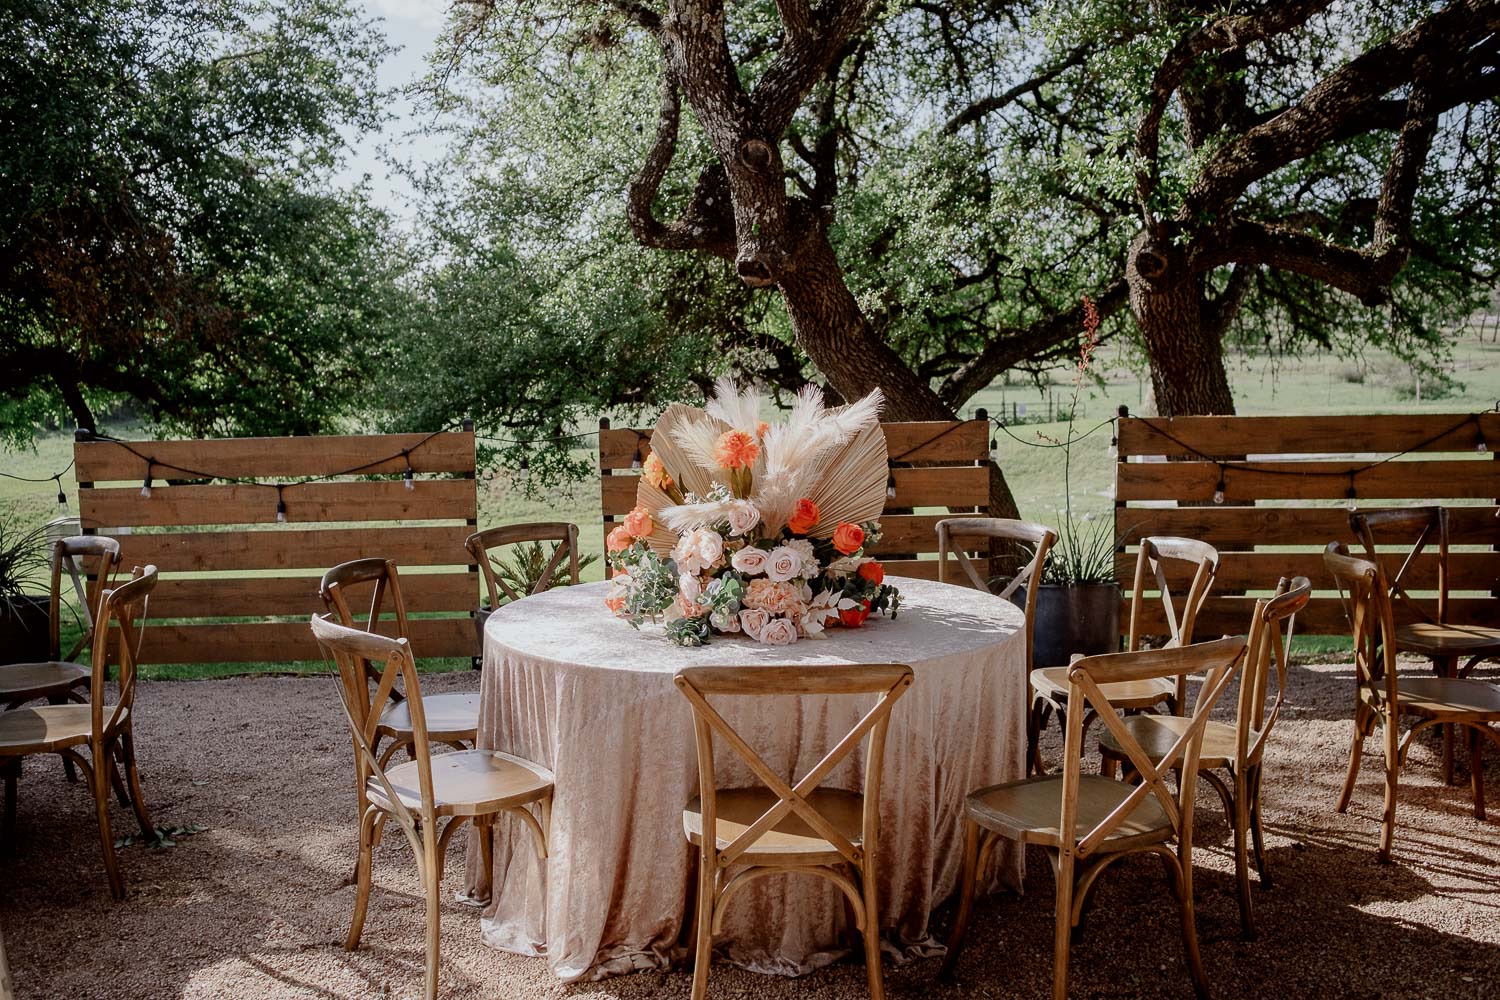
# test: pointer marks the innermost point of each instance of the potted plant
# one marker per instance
(25, 624)
(1078, 602)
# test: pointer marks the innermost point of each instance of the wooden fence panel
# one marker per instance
(1287, 484)
(211, 527)
(942, 464)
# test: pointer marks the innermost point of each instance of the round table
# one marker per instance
(569, 686)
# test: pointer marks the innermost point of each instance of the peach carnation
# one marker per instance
(736, 450)
(656, 474)
(770, 596)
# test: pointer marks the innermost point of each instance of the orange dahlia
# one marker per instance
(736, 450)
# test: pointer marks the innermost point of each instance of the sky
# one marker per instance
(413, 25)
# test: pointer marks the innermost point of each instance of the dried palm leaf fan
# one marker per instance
(837, 457)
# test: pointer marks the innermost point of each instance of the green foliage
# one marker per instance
(23, 553)
(522, 567)
(168, 229)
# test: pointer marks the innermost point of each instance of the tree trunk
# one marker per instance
(1186, 350)
(835, 334)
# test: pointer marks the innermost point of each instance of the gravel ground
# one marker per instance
(256, 905)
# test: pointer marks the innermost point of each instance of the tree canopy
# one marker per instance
(168, 227)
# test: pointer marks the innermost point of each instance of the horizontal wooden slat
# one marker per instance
(1306, 480)
(244, 458)
(952, 486)
(245, 642)
(617, 494)
(1261, 570)
(908, 533)
(916, 441)
(244, 597)
(920, 569)
(1222, 437)
(1324, 615)
(294, 548)
(1241, 527)
(251, 504)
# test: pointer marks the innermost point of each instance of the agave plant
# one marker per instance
(522, 567)
(1084, 553)
(23, 556)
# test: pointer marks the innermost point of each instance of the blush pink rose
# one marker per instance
(749, 560)
(783, 563)
(752, 620)
(779, 632)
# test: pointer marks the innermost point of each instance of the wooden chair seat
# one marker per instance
(1157, 734)
(1445, 696)
(1052, 683)
(467, 783)
(30, 681)
(792, 840)
(449, 717)
(1029, 810)
(48, 728)
(1436, 640)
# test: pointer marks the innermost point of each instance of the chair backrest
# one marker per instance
(1218, 660)
(1367, 604)
(888, 680)
(563, 533)
(1158, 552)
(67, 554)
(382, 576)
(125, 607)
(1430, 524)
(1039, 536)
(1270, 634)
(354, 652)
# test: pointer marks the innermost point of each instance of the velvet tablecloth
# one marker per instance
(572, 688)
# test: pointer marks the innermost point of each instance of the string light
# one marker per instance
(1219, 486)
(62, 496)
(890, 486)
(407, 478)
(280, 506)
(146, 483)
(1482, 445)
(1353, 497)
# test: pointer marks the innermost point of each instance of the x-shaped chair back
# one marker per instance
(125, 609)
(1367, 603)
(1040, 537)
(1217, 660)
(1430, 524)
(382, 575)
(355, 653)
(1270, 635)
(67, 554)
(888, 680)
(1156, 555)
(563, 533)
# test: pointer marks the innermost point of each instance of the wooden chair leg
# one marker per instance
(116, 780)
(1356, 749)
(432, 878)
(968, 885)
(1062, 931)
(1476, 771)
(68, 769)
(1392, 771)
(137, 793)
(1447, 668)
(1240, 821)
(703, 919)
(99, 784)
(361, 881)
(1257, 835)
(872, 929)
(1182, 868)
(12, 777)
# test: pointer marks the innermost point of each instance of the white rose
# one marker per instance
(783, 563)
(804, 550)
(685, 555)
(749, 560)
(742, 517)
(752, 620)
(689, 587)
(708, 545)
(778, 632)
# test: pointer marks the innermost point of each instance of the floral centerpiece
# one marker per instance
(742, 527)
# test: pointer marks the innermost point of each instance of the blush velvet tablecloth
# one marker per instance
(572, 688)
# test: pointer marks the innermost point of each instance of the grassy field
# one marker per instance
(1379, 384)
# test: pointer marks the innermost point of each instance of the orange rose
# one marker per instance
(804, 518)
(736, 450)
(639, 523)
(619, 539)
(873, 571)
(656, 473)
(848, 538)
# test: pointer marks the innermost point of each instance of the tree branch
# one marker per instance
(997, 102)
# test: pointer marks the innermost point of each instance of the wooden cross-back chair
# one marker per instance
(1238, 748)
(1041, 538)
(104, 729)
(1087, 821)
(451, 719)
(1433, 637)
(1381, 697)
(781, 826)
(59, 680)
(1157, 553)
(429, 797)
(479, 544)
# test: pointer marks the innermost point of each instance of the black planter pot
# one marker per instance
(1083, 618)
(25, 629)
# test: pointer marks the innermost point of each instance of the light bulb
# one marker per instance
(146, 488)
(1113, 451)
(1481, 447)
(994, 444)
(281, 512)
(890, 487)
(62, 498)
(410, 484)
(1219, 495)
